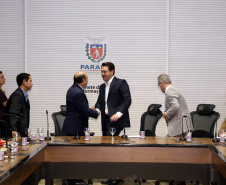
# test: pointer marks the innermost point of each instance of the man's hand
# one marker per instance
(114, 118)
(16, 135)
(95, 109)
(164, 115)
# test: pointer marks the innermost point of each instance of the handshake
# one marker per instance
(96, 110)
(113, 118)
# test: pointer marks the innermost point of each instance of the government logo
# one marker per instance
(96, 49)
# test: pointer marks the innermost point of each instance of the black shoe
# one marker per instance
(76, 182)
(107, 181)
(90, 181)
(180, 183)
(71, 182)
(80, 182)
(116, 182)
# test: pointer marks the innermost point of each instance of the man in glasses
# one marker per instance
(176, 109)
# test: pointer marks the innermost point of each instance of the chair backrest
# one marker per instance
(204, 120)
(58, 119)
(150, 119)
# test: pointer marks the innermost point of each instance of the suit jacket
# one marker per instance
(119, 100)
(176, 108)
(3, 98)
(78, 111)
(19, 109)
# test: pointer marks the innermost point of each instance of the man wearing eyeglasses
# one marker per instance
(176, 109)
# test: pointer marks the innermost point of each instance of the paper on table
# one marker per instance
(219, 137)
(134, 136)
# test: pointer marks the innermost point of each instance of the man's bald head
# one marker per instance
(81, 78)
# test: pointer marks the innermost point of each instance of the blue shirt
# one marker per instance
(25, 94)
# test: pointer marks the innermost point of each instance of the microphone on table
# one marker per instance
(77, 137)
(215, 135)
(47, 137)
(124, 136)
(6, 139)
(182, 138)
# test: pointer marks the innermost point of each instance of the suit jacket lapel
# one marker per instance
(27, 103)
(103, 92)
(111, 86)
(80, 89)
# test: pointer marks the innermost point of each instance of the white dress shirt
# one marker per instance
(107, 87)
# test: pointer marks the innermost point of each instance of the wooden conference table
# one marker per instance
(161, 158)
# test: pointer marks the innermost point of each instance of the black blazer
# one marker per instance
(19, 109)
(78, 111)
(119, 100)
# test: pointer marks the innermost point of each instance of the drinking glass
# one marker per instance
(24, 141)
(87, 134)
(14, 144)
(112, 131)
(40, 130)
(40, 133)
(142, 134)
(1, 155)
(29, 133)
(86, 130)
(222, 136)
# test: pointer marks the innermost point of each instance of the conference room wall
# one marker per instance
(185, 39)
(11, 42)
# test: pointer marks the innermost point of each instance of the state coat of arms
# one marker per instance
(96, 49)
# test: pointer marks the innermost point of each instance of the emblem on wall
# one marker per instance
(96, 49)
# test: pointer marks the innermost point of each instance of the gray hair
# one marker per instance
(164, 78)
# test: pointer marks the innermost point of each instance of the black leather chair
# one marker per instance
(149, 120)
(204, 120)
(58, 119)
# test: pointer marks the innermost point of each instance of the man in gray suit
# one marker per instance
(176, 108)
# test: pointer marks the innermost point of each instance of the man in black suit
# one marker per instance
(78, 112)
(78, 109)
(114, 101)
(18, 106)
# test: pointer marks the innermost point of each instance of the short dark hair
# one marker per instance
(110, 65)
(79, 79)
(21, 77)
(0, 72)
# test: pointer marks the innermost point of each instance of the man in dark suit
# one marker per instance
(18, 106)
(114, 101)
(78, 112)
(78, 109)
